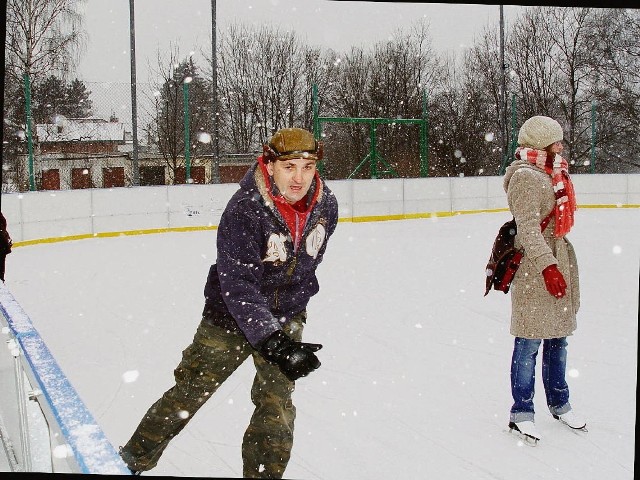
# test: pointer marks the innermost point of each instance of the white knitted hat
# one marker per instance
(539, 132)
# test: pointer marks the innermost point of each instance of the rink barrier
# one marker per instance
(50, 216)
(371, 218)
(75, 441)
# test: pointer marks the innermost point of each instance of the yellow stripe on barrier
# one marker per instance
(613, 205)
(367, 218)
(113, 234)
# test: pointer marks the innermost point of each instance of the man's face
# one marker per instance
(293, 177)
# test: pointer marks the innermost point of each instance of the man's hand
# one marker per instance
(554, 281)
(295, 359)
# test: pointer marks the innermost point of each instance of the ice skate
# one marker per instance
(527, 431)
(572, 420)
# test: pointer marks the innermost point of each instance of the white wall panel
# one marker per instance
(469, 193)
(198, 205)
(43, 215)
(633, 188)
(377, 197)
(427, 195)
(343, 191)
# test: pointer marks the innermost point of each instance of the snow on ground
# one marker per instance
(414, 380)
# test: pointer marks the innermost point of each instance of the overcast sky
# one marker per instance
(327, 23)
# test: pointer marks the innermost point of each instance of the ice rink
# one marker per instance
(414, 381)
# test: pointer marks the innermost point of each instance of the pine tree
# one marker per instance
(48, 99)
(53, 98)
(77, 100)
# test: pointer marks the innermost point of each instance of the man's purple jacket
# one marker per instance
(259, 282)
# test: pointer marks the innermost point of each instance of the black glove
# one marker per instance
(295, 359)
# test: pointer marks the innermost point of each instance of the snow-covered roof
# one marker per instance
(80, 129)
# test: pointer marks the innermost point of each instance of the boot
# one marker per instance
(572, 420)
(526, 428)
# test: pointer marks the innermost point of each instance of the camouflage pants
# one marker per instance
(212, 357)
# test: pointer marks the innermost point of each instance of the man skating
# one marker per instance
(271, 238)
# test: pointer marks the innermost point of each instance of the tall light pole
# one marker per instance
(503, 95)
(134, 102)
(187, 133)
(215, 164)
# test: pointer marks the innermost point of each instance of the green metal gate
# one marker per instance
(373, 157)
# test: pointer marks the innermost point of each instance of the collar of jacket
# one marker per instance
(516, 165)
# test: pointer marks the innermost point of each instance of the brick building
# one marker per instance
(97, 153)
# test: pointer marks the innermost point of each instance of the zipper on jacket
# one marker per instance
(288, 274)
(296, 238)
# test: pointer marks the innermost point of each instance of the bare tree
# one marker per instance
(265, 77)
(484, 79)
(531, 54)
(615, 88)
(167, 128)
(570, 28)
(278, 87)
(388, 82)
(566, 59)
(347, 96)
(43, 36)
(461, 116)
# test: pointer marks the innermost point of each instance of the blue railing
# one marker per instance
(77, 443)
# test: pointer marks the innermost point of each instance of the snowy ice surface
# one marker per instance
(414, 381)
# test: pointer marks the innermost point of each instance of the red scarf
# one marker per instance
(295, 215)
(558, 168)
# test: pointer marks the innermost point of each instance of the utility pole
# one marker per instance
(215, 164)
(2, 56)
(134, 102)
(503, 95)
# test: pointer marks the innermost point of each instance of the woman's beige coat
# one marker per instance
(535, 313)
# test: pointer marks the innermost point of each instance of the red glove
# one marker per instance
(554, 281)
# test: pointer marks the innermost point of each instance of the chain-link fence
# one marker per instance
(59, 147)
(174, 142)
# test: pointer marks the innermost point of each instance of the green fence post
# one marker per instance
(187, 153)
(315, 107)
(511, 147)
(373, 151)
(317, 132)
(514, 129)
(27, 96)
(424, 138)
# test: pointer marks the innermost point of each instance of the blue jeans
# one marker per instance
(523, 364)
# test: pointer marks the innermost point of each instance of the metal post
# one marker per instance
(316, 108)
(134, 102)
(512, 148)
(503, 94)
(593, 137)
(215, 165)
(27, 96)
(22, 406)
(187, 156)
(424, 138)
(2, 58)
(317, 133)
(373, 164)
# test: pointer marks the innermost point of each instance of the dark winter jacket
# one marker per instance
(5, 238)
(258, 282)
